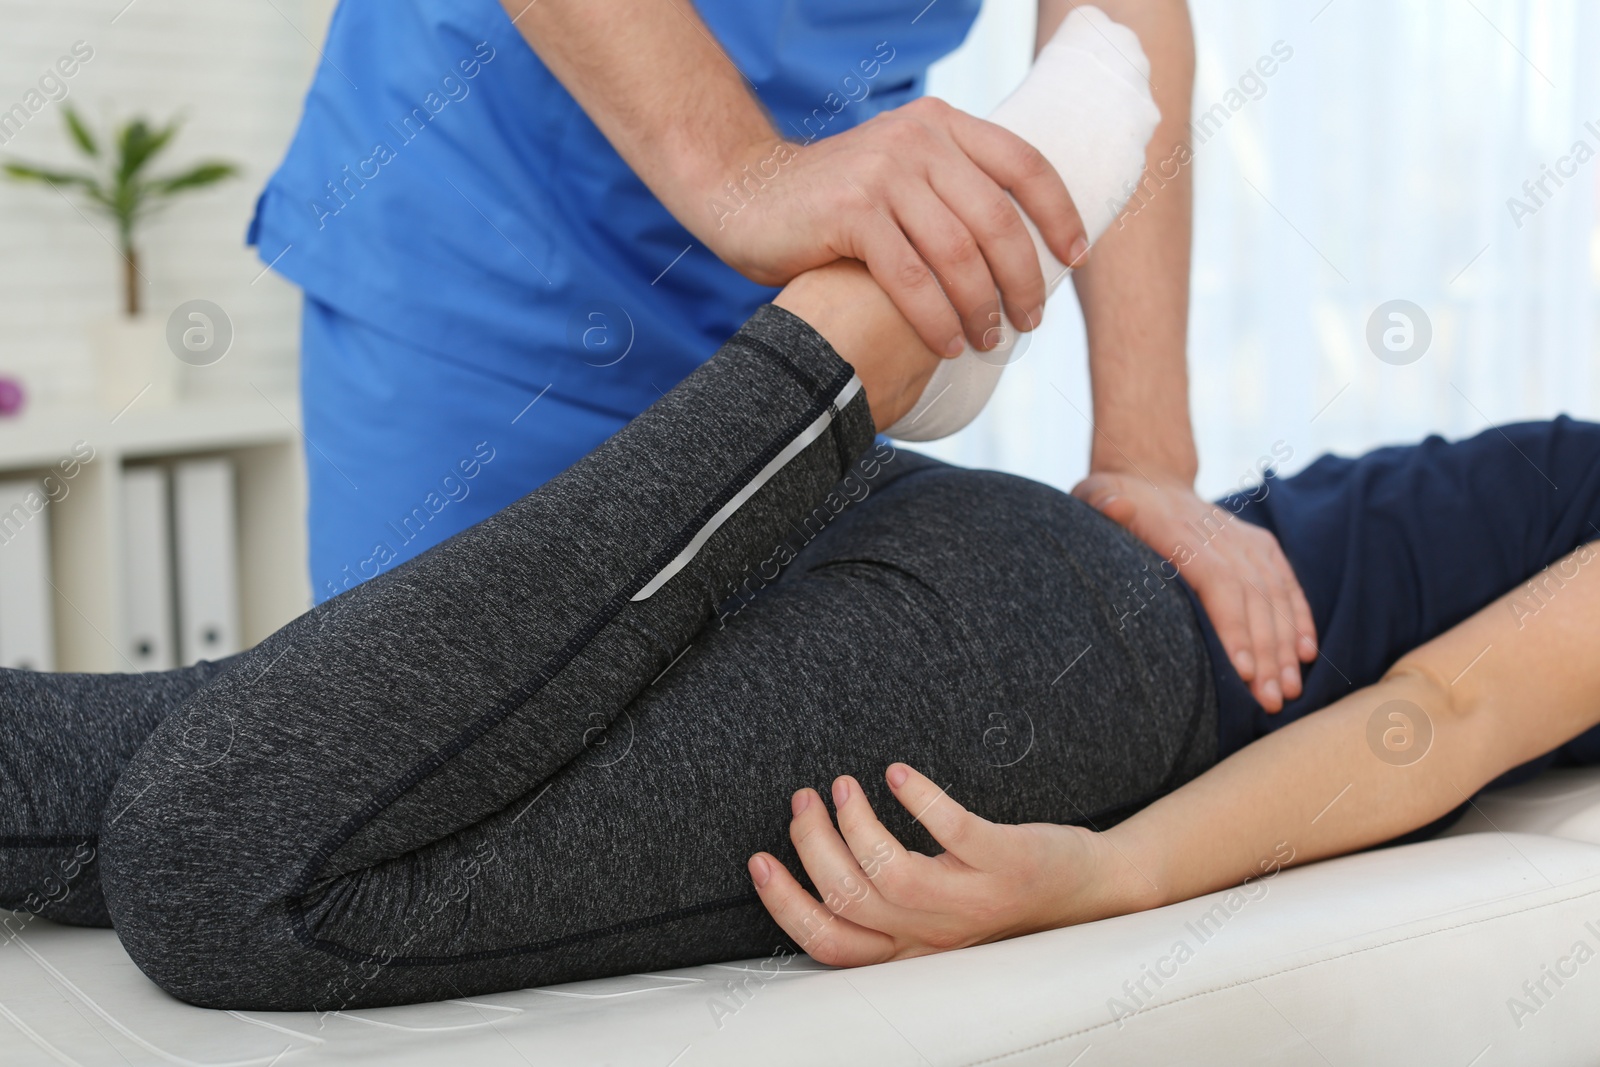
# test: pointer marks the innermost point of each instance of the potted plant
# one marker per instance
(130, 349)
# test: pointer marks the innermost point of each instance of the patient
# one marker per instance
(543, 750)
(566, 742)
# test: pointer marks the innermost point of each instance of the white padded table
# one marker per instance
(1411, 955)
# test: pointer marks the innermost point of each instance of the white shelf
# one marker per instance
(258, 431)
(39, 437)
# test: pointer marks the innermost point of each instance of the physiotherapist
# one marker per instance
(517, 224)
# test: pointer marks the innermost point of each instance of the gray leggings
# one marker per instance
(542, 750)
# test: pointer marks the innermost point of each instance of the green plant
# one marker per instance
(121, 190)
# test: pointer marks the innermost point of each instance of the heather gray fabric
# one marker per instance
(64, 738)
(491, 768)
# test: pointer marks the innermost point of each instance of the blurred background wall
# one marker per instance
(237, 71)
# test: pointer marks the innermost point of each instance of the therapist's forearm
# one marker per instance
(1134, 289)
(656, 83)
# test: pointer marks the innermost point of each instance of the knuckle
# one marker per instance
(876, 859)
(855, 890)
(961, 249)
(891, 884)
(803, 833)
(1001, 217)
(873, 171)
(907, 131)
(1030, 163)
(911, 274)
(843, 899)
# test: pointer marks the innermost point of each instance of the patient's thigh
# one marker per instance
(966, 623)
(974, 624)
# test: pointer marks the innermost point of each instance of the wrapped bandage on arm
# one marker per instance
(1086, 106)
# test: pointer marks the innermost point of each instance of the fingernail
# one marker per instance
(841, 792)
(1105, 502)
(1244, 663)
(800, 801)
(759, 871)
(955, 346)
(1308, 648)
(1273, 693)
(897, 776)
(1076, 252)
(1036, 316)
(1291, 679)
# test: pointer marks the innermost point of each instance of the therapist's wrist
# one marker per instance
(1168, 469)
(1140, 392)
(737, 204)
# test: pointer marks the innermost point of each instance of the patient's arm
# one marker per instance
(1501, 688)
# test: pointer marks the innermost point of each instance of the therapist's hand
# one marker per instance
(1237, 569)
(915, 193)
(919, 195)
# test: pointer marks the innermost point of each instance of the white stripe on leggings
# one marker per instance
(791, 450)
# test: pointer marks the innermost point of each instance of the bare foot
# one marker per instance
(842, 303)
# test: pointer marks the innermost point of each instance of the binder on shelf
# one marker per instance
(26, 616)
(148, 640)
(207, 556)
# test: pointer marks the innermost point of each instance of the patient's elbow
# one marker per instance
(1451, 713)
(1416, 677)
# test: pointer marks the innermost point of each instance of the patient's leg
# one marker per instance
(1005, 674)
(458, 683)
(67, 737)
(459, 777)
(64, 738)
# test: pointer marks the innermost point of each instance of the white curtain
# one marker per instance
(1383, 160)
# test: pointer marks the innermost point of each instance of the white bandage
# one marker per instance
(1086, 106)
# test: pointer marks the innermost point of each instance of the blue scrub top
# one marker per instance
(444, 188)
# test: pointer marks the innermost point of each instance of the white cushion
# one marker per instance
(1561, 803)
(1411, 955)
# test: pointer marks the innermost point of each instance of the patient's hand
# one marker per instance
(886, 903)
(1237, 569)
